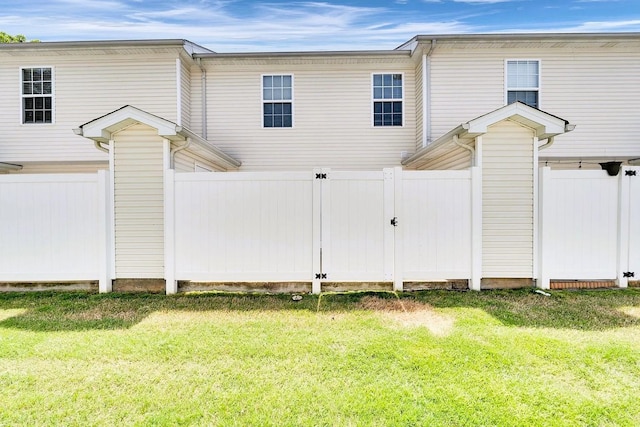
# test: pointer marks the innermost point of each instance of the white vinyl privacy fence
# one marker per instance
(589, 225)
(54, 228)
(320, 226)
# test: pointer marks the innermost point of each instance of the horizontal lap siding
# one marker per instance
(185, 93)
(507, 202)
(419, 106)
(186, 162)
(332, 117)
(87, 85)
(595, 89)
(457, 158)
(139, 203)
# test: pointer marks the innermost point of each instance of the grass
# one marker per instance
(434, 358)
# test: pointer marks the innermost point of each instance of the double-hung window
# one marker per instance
(277, 101)
(387, 99)
(523, 82)
(37, 95)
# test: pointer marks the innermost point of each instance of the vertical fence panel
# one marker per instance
(50, 227)
(579, 216)
(436, 221)
(244, 227)
(634, 224)
(354, 228)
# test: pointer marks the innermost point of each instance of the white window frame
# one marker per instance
(22, 95)
(271, 101)
(508, 89)
(374, 100)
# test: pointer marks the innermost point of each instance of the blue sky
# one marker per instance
(244, 25)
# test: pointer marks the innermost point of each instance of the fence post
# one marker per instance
(316, 286)
(398, 243)
(169, 232)
(624, 206)
(476, 228)
(105, 212)
(544, 186)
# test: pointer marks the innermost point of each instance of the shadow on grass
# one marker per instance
(61, 311)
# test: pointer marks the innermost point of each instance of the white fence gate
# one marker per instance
(320, 226)
(631, 260)
(54, 228)
(590, 223)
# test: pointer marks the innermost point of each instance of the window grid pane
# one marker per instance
(387, 87)
(37, 99)
(277, 115)
(523, 74)
(387, 113)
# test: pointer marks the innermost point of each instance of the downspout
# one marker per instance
(548, 144)
(99, 146)
(9, 167)
(426, 95)
(175, 150)
(466, 147)
(203, 75)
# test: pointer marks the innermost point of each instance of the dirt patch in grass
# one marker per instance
(409, 314)
(98, 313)
(631, 311)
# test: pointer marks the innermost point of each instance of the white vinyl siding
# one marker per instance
(88, 84)
(455, 159)
(419, 93)
(139, 203)
(185, 94)
(332, 115)
(594, 88)
(186, 161)
(507, 201)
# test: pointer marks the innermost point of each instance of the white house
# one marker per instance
(496, 114)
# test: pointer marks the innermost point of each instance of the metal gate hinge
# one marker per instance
(394, 221)
(321, 176)
(321, 275)
(630, 173)
(628, 274)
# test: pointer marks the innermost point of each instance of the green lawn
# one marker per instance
(510, 358)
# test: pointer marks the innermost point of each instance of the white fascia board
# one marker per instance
(101, 129)
(545, 124)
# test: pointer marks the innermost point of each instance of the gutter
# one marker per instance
(172, 158)
(347, 53)
(463, 128)
(567, 128)
(9, 167)
(198, 141)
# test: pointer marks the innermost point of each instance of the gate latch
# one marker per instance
(628, 274)
(394, 221)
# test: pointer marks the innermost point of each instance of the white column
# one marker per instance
(169, 232)
(544, 186)
(398, 244)
(476, 228)
(105, 211)
(316, 286)
(624, 208)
